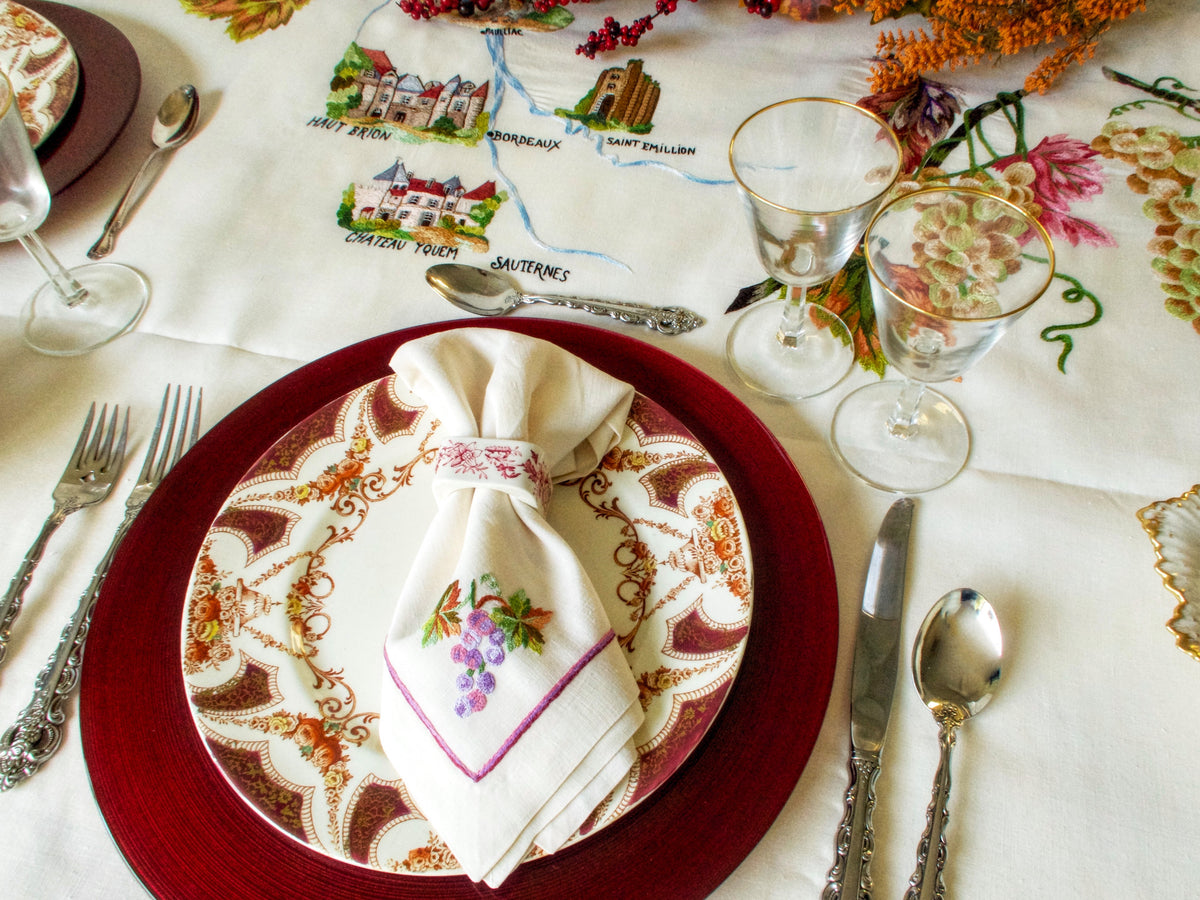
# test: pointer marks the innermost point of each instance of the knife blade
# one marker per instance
(876, 668)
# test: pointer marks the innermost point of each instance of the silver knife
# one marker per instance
(876, 665)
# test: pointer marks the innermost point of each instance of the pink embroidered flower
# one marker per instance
(1064, 172)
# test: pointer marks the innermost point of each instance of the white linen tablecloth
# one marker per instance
(1075, 783)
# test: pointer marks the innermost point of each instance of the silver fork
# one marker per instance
(37, 733)
(87, 479)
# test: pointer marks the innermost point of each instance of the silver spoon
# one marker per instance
(956, 665)
(485, 293)
(173, 125)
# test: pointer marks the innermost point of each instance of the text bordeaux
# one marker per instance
(522, 140)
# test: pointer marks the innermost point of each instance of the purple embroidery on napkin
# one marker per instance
(494, 624)
(521, 728)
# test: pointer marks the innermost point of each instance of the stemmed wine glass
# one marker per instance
(812, 171)
(75, 310)
(951, 270)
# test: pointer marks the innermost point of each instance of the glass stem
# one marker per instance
(903, 421)
(793, 327)
(70, 290)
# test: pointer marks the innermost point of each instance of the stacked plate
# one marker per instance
(233, 644)
(41, 65)
(77, 80)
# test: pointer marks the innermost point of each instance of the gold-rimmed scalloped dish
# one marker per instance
(1174, 529)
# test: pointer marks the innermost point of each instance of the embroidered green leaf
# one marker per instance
(489, 582)
(753, 293)
(247, 18)
(445, 621)
(849, 295)
(522, 623)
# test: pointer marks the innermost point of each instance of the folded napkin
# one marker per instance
(508, 706)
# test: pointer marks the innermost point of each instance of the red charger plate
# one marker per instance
(186, 833)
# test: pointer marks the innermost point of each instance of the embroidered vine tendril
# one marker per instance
(1075, 293)
(1165, 88)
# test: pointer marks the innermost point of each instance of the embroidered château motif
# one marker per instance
(392, 97)
(399, 205)
(367, 88)
(624, 99)
(394, 194)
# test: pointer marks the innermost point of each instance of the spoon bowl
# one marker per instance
(956, 667)
(956, 657)
(174, 125)
(486, 293)
(176, 119)
(473, 289)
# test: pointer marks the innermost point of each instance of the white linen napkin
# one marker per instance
(508, 706)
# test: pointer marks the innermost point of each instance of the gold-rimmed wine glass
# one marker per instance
(812, 171)
(76, 310)
(951, 270)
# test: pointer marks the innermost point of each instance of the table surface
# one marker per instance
(1074, 782)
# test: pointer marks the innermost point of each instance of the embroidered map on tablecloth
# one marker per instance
(470, 142)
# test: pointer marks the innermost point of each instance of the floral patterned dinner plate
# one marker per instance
(292, 593)
(1174, 529)
(39, 60)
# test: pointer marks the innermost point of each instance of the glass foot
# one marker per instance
(792, 371)
(924, 460)
(117, 296)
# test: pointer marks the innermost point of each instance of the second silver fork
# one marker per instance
(87, 479)
(37, 733)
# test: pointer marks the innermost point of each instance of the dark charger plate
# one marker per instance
(110, 79)
(186, 833)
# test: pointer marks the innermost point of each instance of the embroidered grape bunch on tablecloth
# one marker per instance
(1166, 169)
(487, 628)
(964, 246)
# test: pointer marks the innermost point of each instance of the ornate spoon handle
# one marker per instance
(850, 876)
(926, 882)
(10, 606)
(108, 237)
(37, 733)
(663, 319)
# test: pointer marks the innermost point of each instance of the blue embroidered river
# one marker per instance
(503, 80)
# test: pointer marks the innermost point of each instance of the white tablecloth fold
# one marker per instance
(508, 706)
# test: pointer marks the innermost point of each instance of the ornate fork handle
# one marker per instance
(663, 319)
(37, 733)
(850, 876)
(10, 606)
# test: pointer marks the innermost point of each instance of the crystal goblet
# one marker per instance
(76, 310)
(812, 171)
(951, 270)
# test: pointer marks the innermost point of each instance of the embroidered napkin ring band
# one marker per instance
(517, 468)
